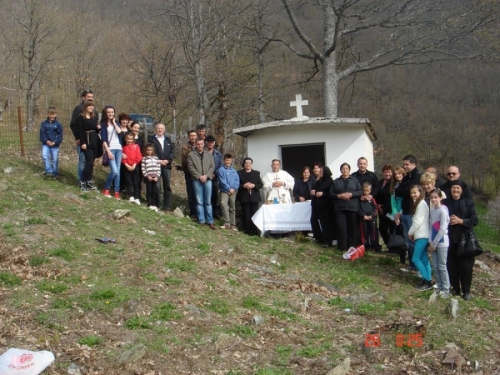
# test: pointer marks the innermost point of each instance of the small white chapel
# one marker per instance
(302, 141)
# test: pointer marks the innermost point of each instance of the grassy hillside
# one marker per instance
(188, 298)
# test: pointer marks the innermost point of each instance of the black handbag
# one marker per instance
(396, 241)
(469, 245)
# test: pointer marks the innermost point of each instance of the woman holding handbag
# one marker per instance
(463, 218)
(111, 136)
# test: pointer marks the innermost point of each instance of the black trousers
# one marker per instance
(248, 209)
(151, 192)
(167, 191)
(322, 224)
(460, 270)
(385, 227)
(88, 171)
(132, 181)
(190, 194)
(347, 229)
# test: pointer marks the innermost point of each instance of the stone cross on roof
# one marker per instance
(299, 103)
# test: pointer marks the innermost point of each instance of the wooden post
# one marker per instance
(20, 123)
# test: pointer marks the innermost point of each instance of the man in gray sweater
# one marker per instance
(201, 168)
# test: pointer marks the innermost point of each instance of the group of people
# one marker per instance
(347, 211)
(433, 214)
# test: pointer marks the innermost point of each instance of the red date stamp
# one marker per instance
(411, 340)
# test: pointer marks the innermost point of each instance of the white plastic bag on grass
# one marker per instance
(24, 362)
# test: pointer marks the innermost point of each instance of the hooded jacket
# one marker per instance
(51, 131)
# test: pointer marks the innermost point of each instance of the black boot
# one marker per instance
(83, 186)
(90, 185)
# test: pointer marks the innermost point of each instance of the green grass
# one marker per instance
(78, 291)
(65, 254)
(9, 279)
(51, 286)
(38, 260)
(90, 340)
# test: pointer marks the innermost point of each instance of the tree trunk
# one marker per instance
(330, 86)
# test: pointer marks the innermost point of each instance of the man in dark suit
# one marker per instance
(249, 195)
(164, 150)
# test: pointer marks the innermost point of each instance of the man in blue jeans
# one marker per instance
(87, 94)
(201, 168)
(403, 190)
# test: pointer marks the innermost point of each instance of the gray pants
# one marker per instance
(228, 205)
(439, 264)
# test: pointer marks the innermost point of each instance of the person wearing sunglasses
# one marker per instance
(453, 174)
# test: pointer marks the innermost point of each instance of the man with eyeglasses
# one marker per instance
(87, 94)
(453, 174)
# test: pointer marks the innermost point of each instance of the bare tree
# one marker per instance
(363, 35)
(34, 41)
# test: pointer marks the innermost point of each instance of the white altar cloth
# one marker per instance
(283, 217)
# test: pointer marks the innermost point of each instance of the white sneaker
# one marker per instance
(131, 199)
(137, 202)
(153, 208)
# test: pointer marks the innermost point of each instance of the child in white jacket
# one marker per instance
(439, 220)
(419, 233)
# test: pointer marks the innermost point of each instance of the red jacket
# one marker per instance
(133, 153)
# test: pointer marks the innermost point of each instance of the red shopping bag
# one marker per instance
(355, 253)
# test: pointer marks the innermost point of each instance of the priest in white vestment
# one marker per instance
(278, 184)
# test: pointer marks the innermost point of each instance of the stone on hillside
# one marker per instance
(454, 359)
(73, 369)
(178, 212)
(257, 320)
(481, 265)
(132, 355)
(452, 308)
(3, 187)
(8, 170)
(342, 369)
(329, 287)
(120, 214)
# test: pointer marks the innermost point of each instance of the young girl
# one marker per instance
(111, 135)
(87, 128)
(132, 170)
(419, 233)
(396, 179)
(439, 242)
(151, 171)
(396, 211)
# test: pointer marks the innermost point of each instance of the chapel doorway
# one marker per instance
(294, 157)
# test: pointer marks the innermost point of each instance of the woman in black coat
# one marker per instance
(384, 208)
(321, 215)
(303, 186)
(345, 192)
(249, 195)
(462, 217)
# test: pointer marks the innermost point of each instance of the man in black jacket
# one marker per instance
(403, 190)
(453, 174)
(364, 175)
(164, 150)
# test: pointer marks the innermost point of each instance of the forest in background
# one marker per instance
(231, 64)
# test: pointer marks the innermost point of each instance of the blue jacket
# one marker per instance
(228, 179)
(51, 131)
(218, 160)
